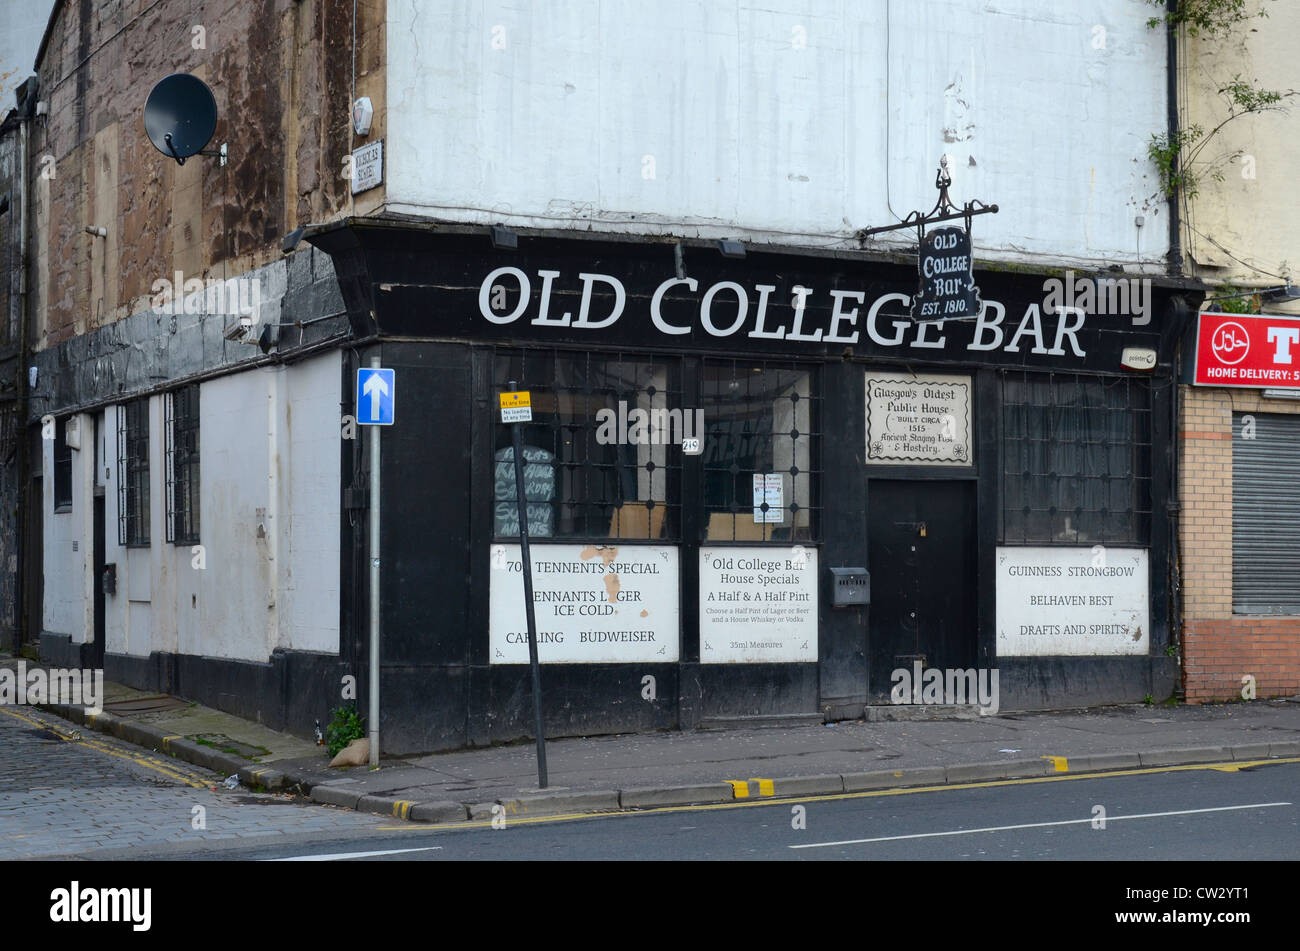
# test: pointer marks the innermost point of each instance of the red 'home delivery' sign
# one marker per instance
(1241, 350)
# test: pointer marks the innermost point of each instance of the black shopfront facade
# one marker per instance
(957, 463)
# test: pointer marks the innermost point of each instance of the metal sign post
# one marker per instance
(376, 392)
(516, 407)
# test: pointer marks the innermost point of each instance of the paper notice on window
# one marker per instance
(769, 489)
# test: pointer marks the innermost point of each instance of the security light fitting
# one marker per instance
(503, 239)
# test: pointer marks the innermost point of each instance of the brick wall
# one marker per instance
(1220, 648)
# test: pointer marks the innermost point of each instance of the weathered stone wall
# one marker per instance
(10, 429)
(281, 73)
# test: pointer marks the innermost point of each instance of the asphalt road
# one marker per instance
(67, 795)
(1176, 814)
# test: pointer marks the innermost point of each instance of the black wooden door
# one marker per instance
(921, 554)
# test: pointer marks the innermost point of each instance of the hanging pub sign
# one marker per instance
(944, 257)
(947, 277)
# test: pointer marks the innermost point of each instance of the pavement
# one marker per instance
(638, 771)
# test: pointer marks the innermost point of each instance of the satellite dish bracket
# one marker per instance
(220, 153)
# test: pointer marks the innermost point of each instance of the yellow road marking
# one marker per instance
(869, 794)
(101, 747)
(1060, 763)
(739, 788)
(765, 787)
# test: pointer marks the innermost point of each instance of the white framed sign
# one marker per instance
(918, 420)
(1072, 601)
(594, 604)
(758, 605)
(368, 167)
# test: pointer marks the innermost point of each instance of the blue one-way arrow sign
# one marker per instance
(375, 392)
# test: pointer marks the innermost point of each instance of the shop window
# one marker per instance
(760, 460)
(62, 467)
(1265, 513)
(183, 465)
(1076, 457)
(133, 474)
(597, 463)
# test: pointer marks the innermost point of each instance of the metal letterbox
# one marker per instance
(850, 587)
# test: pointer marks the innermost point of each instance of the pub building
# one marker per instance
(868, 492)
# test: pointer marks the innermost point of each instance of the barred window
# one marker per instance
(1076, 454)
(761, 452)
(183, 465)
(133, 473)
(62, 467)
(597, 456)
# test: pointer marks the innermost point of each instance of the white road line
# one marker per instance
(1036, 825)
(338, 856)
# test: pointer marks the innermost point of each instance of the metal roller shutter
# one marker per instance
(1266, 515)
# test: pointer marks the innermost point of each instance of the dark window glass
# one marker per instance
(1076, 454)
(62, 467)
(133, 473)
(761, 456)
(183, 466)
(602, 453)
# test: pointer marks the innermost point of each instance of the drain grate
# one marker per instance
(225, 744)
(145, 705)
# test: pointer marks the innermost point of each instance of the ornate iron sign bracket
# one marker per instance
(943, 210)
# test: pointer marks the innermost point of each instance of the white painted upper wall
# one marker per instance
(783, 121)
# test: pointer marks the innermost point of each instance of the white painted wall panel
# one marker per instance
(68, 573)
(233, 606)
(774, 121)
(309, 617)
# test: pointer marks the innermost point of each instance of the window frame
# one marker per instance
(181, 466)
(62, 475)
(133, 475)
(684, 487)
(580, 461)
(1139, 407)
(807, 407)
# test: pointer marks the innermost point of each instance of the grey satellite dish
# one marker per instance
(180, 116)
